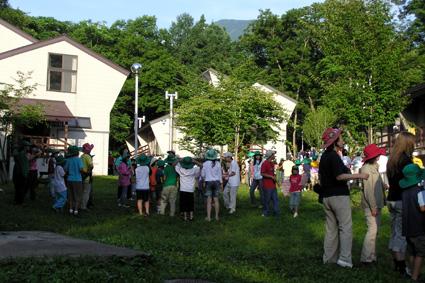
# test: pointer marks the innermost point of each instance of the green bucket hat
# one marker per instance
(250, 154)
(143, 160)
(413, 175)
(73, 150)
(298, 162)
(315, 157)
(170, 159)
(187, 162)
(60, 160)
(211, 154)
(161, 163)
(258, 153)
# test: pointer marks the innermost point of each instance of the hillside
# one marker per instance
(235, 28)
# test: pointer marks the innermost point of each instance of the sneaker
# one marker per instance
(71, 211)
(75, 212)
(232, 211)
(295, 214)
(344, 263)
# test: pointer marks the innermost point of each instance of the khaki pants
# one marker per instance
(339, 234)
(229, 197)
(369, 243)
(86, 195)
(169, 195)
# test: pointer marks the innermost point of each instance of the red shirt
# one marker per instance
(295, 183)
(268, 168)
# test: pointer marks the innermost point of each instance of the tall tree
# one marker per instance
(360, 67)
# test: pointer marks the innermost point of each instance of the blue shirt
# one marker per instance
(73, 166)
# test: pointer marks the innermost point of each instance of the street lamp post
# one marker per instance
(171, 96)
(135, 68)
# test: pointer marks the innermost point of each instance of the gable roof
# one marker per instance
(272, 89)
(61, 38)
(17, 31)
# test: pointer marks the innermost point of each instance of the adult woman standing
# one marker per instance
(400, 156)
(333, 176)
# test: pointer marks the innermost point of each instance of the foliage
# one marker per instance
(314, 124)
(233, 113)
(360, 67)
(243, 247)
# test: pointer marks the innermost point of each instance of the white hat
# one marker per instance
(227, 154)
(269, 153)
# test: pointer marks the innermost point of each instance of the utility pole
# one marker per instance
(171, 96)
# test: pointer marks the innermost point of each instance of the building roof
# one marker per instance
(17, 31)
(416, 91)
(54, 111)
(272, 89)
(61, 38)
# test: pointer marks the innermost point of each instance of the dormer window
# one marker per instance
(62, 73)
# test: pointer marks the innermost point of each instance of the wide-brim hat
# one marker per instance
(60, 160)
(413, 175)
(269, 153)
(171, 151)
(170, 159)
(73, 150)
(87, 147)
(211, 154)
(227, 154)
(258, 153)
(330, 135)
(371, 151)
(187, 162)
(142, 160)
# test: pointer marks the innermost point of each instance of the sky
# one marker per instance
(165, 11)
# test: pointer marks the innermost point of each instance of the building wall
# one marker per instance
(98, 86)
(10, 40)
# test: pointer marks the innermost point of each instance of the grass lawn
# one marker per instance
(243, 247)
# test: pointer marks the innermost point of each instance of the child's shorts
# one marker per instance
(212, 188)
(142, 195)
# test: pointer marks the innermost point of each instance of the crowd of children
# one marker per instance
(156, 185)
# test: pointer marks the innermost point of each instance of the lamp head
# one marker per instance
(136, 67)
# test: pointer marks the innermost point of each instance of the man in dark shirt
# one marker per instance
(333, 175)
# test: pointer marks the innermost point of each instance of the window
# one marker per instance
(62, 73)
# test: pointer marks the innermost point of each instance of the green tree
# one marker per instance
(283, 48)
(235, 113)
(315, 122)
(360, 67)
(13, 116)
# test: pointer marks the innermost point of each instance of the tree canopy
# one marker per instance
(336, 54)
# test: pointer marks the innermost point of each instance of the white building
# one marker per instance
(76, 86)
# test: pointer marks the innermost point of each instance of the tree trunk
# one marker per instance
(294, 134)
(236, 143)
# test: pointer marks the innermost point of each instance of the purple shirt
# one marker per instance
(124, 174)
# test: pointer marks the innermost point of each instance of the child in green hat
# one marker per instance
(413, 222)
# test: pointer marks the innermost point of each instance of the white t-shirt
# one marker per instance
(287, 168)
(188, 178)
(58, 181)
(234, 181)
(142, 178)
(210, 173)
(382, 162)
